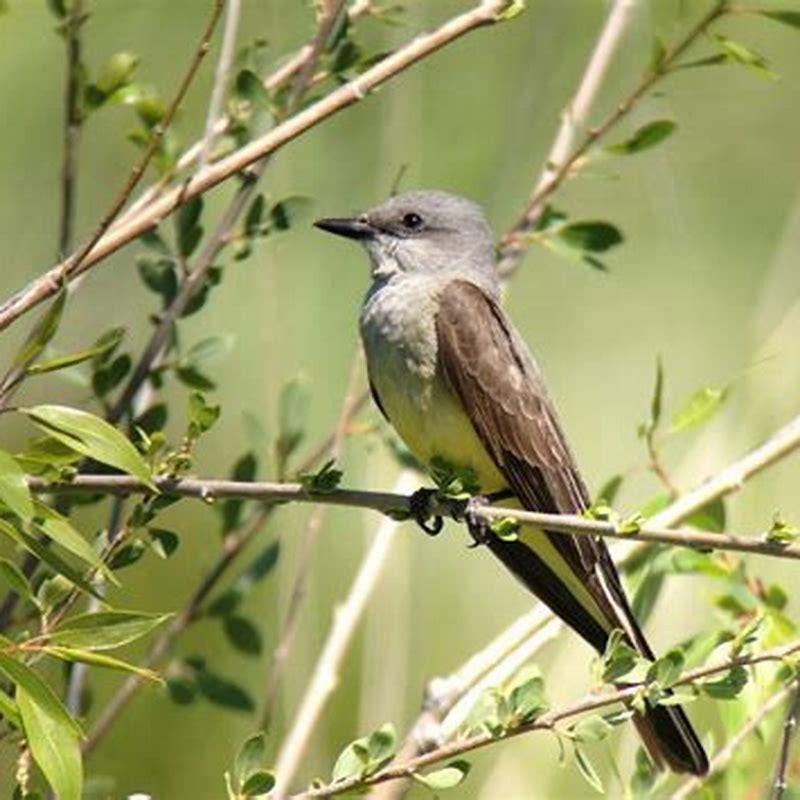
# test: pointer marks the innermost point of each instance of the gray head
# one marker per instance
(422, 232)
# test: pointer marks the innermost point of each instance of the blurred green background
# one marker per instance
(707, 278)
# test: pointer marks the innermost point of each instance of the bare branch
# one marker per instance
(487, 12)
(779, 782)
(221, 78)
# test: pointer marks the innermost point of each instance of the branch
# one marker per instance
(221, 76)
(487, 12)
(549, 721)
(722, 758)
(346, 617)
(399, 504)
(779, 783)
(73, 119)
(566, 157)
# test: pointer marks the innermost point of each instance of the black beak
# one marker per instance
(351, 228)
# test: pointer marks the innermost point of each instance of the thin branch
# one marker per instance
(399, 504)
(562, 164)
(221, 77)
(487, 12)
(549, 721)
(779, 782)
(297, 595)
(73, 120)
(724, 756)
(346, 617)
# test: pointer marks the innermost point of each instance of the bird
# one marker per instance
(454, 378)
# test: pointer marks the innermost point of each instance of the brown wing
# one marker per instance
(490, 370)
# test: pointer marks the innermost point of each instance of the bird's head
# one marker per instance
(421, 232)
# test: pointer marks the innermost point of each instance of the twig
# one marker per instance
(485, 13)
(73, 120)
(221, 77)
(399, 504)
(326, 673)
(722, 758)
(306, 549)
(282, 75)
(549, 721)
(779, 782)
(513, 245)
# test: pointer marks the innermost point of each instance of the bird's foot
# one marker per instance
(477, 525)
(420, 505)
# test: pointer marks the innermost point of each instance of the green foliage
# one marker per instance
(453, 483)
(366, 755)
(450, 776)
(325, 480)
(248, 777)
(645, 137)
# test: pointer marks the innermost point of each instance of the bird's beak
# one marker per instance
(351, 228)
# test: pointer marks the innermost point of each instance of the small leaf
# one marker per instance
(790, 18)
(644, 138)
(743, 55)
(609, 490)
(189, 229)
(164, 543)
(591, 729)
(116, 72)
(53, 742)
(251, 88)
(250, 757)
(667, 669)
(90, 436)
(698, 409)
(381, 746)
(658, 394)
(289, 211)
(586, 768)
(202, 416)
(16, 581)
(446, 778)
(223, 692)
(709, 518)
(781, 531)
(324, 481)
(14, 492)
(727, 687)
(102, 347)
(512, 9)
(100, 660)
(44, 330)
(258, 783)
(105, 630)
(506, 529)
(591, 236)
(243, 635)
(352, 761)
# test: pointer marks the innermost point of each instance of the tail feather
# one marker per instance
(670, 740)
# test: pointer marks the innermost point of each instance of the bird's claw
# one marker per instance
(420, 506)
(477, 525)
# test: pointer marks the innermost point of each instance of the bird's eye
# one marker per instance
(412, 221)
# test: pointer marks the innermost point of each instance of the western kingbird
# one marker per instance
(450, 372)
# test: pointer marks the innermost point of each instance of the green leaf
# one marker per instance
(222, 692)
(243, 635)
(512, 9)
(324, 481)
(591, 236)
(587, 770)
(644, 138)
(90, 436)
(94, 659)
(250, 757)
(105, 630)
(446, 778)
(190, 232)
(53, 742)
(709, 518)
(781, 531)
(164, 543)
(506, 528)
(698, 409)
(527, 701)
(182, 691)
(289, 211)
(727, 687)
(667, 669)
(44, 330)
(658, 395)
(116, 72)
(208, 348)
(59, 530)
(106, 344)
(16, 581)
(202, 416)
(108, 377)
(48, 556)
(9, 710)
(45, 698)
(352, 761)
(258, 783)
(790, 18)
(741, 54)
(609, 490)
(14, 491)
(251, 88)
(591, 729)
(160, 277)
(381, 746)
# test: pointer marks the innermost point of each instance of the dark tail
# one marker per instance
(670, 740)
